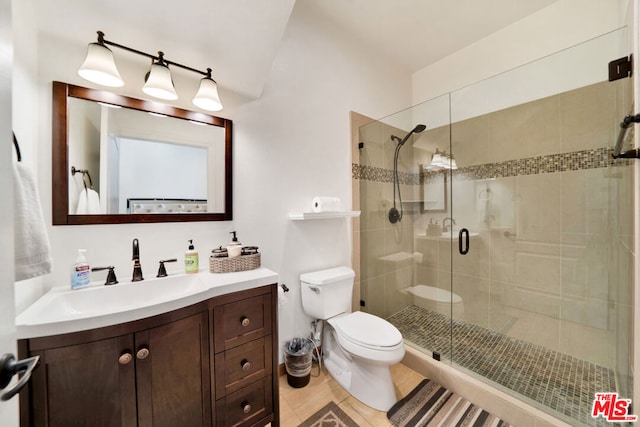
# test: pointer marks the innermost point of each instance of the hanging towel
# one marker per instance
(486, 207)
(32, 249)
(88, 202)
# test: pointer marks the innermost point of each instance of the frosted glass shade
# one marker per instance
(438, 160)
(207, 96)
(159, 83)
(99, 66)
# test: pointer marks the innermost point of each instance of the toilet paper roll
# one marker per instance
(326, 204)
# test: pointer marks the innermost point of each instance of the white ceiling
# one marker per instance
(239, 39)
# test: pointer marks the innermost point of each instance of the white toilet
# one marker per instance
(358, 347)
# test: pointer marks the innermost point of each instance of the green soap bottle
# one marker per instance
(191, 259)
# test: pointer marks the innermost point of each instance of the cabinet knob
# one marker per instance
(245, 321)
(143, 353)
(246, 408)
(245, 365)
(125, 358)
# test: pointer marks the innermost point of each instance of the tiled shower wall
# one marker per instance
(552, 212)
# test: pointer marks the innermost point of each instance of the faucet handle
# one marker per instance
(111, 275)
(162, 272)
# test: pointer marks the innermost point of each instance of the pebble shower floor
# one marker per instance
(558, 381)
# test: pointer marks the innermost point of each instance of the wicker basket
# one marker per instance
(229, 265)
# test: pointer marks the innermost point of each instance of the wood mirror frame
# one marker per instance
(61, 167)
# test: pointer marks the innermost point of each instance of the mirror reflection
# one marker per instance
(127, 160)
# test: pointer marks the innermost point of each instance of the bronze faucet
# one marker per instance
(137, 268)
(446, 229)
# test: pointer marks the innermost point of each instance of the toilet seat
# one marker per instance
(368, 331)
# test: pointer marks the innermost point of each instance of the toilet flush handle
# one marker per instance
(315, 289)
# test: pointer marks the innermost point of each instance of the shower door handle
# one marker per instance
(463, 250)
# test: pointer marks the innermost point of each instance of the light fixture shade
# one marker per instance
(99, 66)
(453, 163)
(438, 160)
(159, 83)
(207, 96)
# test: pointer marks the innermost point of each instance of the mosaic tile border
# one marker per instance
(558, 381)
(574, 161)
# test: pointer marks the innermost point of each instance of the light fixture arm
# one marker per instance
(160, 58)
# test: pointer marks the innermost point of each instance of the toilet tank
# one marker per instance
(327, 293)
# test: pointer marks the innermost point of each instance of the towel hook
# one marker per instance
(85, 173)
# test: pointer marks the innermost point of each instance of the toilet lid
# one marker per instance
(368, 330)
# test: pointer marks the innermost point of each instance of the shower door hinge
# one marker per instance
(621, 68)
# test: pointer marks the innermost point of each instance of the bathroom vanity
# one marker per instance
(211, 359)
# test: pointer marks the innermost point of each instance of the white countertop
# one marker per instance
(62, 310)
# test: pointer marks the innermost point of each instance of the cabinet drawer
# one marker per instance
(239, 322)
(246, 406)
(242, 365)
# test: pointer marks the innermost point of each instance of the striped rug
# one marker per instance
(430, 404)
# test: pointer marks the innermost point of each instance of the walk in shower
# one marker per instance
(516, 171)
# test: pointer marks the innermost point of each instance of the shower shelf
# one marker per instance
(303, 216)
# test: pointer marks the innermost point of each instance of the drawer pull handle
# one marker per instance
(245, 365)
(125, 358)
(246, 408)
(143, 353)
(245, 321)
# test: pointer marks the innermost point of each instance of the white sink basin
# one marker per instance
(111, 299)
(62, 310)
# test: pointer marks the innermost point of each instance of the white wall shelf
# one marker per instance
(305, 216)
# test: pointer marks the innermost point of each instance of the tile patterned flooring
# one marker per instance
(558, 381)
(298, 404)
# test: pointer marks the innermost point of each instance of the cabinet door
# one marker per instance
(172, 368)
(85, 385)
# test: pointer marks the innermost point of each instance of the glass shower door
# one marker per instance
(540, 305)
(545, 286)
(404, 263)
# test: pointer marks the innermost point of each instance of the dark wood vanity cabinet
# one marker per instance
(209, 364)
(245, 384)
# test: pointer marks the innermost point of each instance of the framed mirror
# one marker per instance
(124, 160)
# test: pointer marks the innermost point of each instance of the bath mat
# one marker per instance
(430, 404)
(329, 416)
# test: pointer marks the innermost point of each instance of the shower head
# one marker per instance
(419, 128)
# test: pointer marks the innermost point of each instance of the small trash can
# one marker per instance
(297, 361)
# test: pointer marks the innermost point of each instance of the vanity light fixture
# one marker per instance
(452, 163)
(158, 82)
(99, 67)
(440, 160)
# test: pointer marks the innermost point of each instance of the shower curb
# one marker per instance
(508, 408)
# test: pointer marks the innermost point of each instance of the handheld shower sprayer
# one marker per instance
(394, 215)
(417, 129)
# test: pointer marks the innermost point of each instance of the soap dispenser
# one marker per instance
(235, 248)
(191, 259)
(80, 272)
